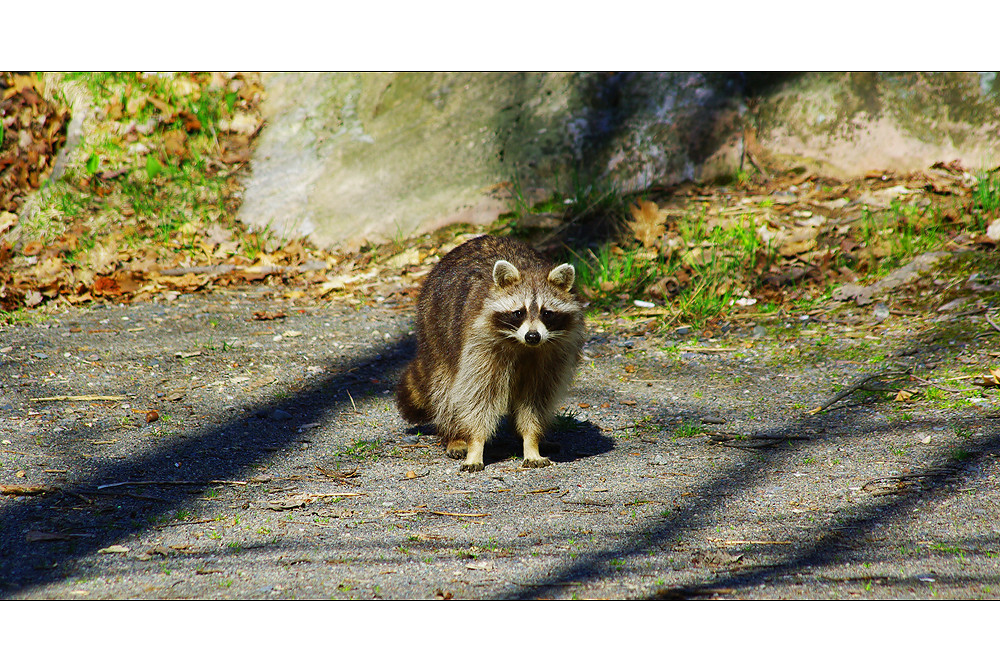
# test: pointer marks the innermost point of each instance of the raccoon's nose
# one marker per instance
(532, 338)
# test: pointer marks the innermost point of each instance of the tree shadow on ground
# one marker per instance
(828, 549)
(224, 453)
(237, 443)
(830, 543)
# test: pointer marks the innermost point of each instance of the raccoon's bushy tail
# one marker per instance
(412, 403)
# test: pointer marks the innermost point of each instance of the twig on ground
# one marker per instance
(912, 482)
(935, 385)
(21, 452)
(25, 490)
(150, 498)
(138, 483)
(991, 322)
(176, 523)
(862, 385)
(335, 494)
(459, 515)
(737, 542)
(88, 502)
(719, 437)
(81, 397)
(761, 440)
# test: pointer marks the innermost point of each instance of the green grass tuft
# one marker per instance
(688, 428)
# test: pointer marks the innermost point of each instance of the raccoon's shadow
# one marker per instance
(582, 439)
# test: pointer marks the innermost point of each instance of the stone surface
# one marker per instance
(347, 158)
(351, 157)
(846, 124)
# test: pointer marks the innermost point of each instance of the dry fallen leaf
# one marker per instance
(991, 379)
(102, 258)
(647, 222)
(794, 247)
(32, 298)
(105, 286)
(993, 230)
(33, 248)
(242, 123)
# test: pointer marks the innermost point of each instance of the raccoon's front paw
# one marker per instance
(457, 449)
(536, 462)
(471, 466)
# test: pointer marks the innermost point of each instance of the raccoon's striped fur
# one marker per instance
(499, 331)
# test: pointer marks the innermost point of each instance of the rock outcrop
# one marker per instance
(346, 158)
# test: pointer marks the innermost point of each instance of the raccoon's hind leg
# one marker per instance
(411, 401)
(472, 451)
(456, 449)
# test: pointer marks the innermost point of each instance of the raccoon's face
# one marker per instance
(533, 313)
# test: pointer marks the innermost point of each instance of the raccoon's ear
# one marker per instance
(562, 276)
(505, 274)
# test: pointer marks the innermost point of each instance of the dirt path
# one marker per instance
(278, 468)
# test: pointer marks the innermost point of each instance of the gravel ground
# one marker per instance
(277, 467)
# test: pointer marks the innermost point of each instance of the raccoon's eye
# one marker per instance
(546, 313)
(518, 314)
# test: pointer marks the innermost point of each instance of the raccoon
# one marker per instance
(499, 331)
